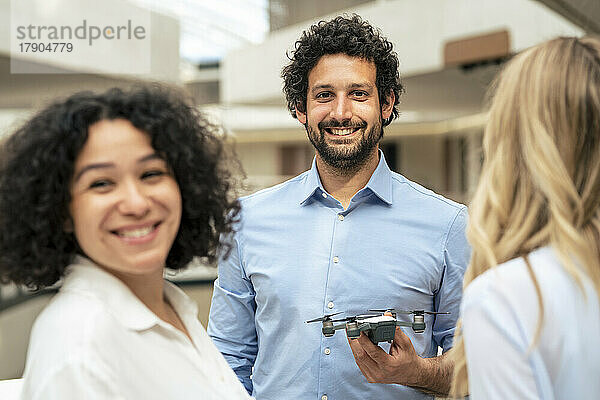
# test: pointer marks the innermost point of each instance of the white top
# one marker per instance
(500, 315)
(10, 389)
(96, 340)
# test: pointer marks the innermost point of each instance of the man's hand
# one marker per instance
(380, 367)
(402, 365)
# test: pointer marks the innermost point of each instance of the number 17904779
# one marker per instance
(50, 47)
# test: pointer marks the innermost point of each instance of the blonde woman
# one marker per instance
(530, 312)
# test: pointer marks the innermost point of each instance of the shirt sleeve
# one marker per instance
(74, 380)
(497, 351)
(447, 299)
(231, 322)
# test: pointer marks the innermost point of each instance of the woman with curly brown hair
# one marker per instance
(530, 312)
(105, 191)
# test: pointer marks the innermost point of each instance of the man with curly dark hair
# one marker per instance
(104, 191)
(344, 237)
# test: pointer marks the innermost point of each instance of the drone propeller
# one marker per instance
(355, 317)
(383, 310)
(323, 318)
(408, 312)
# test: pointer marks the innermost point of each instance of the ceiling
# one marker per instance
(585, 13)
(209, 29)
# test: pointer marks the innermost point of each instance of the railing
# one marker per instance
(197, 274)
(12, 295)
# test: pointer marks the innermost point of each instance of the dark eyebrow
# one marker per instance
(365, 85)
(92, 167)
(319, 87)
(149, 157)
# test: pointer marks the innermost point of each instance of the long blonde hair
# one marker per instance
(540, 181)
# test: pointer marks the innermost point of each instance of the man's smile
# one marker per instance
(342, 131)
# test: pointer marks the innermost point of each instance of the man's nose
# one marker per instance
(341, 109)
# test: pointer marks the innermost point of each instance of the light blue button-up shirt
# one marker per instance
(298, 255)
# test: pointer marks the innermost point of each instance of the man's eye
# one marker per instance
(360, 93)
(323, 95)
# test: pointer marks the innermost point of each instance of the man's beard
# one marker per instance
(345, 160)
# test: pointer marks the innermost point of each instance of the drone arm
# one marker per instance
(353, 329)
(402, 323)
(339, 326)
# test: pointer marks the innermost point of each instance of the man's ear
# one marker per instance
(301, 115)
(388, 106)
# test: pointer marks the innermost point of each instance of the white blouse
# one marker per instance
(97, 340)
(500, 314)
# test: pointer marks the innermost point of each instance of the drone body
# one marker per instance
(378, 328)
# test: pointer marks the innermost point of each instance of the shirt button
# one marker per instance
(324, 195)
(336, 259)
(340, 217)
(327, 350)
(324, 397)
(330, 305)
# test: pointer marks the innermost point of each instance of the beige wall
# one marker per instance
(202, 295)
(259, 158)
(15, 327)
(422, 160)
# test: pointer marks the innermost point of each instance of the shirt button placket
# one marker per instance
(330, 305)
(336, 259)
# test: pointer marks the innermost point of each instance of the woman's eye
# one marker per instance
(153, 173)
(102, 183)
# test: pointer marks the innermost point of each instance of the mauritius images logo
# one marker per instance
(85, 31)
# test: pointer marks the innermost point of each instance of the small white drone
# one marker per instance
(378, 327)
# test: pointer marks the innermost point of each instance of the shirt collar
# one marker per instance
(312, 184)
(380, 182)
(88, 278)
